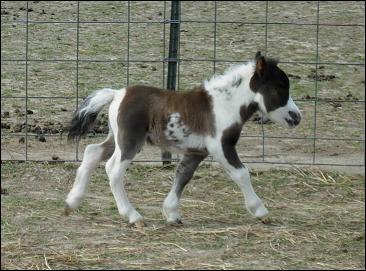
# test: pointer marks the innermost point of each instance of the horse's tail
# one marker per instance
(84, 117)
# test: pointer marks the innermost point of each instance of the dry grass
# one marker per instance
(318, 221)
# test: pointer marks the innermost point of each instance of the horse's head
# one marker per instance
(272, 92)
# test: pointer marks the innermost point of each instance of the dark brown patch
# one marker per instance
(247, 111)
(270, 81)
(185, 170)
(194, 107)
(133, 120)
(229, 138)
(147, 110)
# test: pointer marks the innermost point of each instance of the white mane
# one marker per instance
(229, 93)
(230, 76)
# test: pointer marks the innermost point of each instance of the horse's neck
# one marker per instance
(231, 93)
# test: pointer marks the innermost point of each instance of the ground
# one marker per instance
(318, 221)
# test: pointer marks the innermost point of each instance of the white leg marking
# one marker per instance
(242, 178)
(171, 206)
(253, 203)
(116, 170)
(92, 156)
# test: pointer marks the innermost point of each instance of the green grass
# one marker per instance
(318, 221)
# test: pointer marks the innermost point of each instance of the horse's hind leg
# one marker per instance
(94, 153)
(116, 168)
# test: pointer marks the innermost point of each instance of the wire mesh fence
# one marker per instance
(54, 53)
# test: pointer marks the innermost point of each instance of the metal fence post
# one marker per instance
(173, 58)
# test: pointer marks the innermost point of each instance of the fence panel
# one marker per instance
(54, 53)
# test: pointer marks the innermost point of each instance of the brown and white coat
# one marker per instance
(206, 120)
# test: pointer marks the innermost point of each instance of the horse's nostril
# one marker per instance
(295, 116)
(290, 122)
(292, 114)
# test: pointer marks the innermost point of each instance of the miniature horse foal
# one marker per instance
(206, 120)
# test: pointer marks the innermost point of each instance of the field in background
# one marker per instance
(339, 108)
(318, 215)
(318, 221)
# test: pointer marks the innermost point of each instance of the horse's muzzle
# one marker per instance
(294, 120)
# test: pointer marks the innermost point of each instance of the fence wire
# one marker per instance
(165, 22)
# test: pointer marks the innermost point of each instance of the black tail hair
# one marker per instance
(81, 124)
(85, 116)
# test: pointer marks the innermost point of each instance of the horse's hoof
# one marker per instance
(177, 223)
(140, 224)
(266, 220)
(68, 210)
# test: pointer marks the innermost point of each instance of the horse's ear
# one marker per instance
(260, 65)
(257, 55)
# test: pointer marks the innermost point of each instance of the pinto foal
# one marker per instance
(206, 120)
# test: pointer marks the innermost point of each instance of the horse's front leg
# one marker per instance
(183, 175)
(225, 153)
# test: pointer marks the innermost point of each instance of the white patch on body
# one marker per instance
(226, 104)
(180, 136)
(113, 111)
